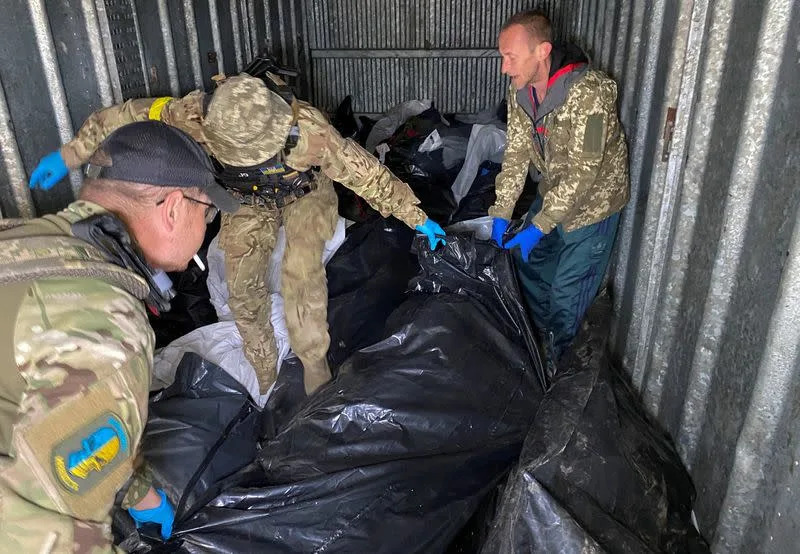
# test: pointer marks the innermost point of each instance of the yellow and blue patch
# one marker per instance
(276, 169)
(85, 458)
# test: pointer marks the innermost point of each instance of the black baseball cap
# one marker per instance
(154, 153)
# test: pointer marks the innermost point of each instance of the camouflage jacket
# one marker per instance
(76, 361)
(319, 144)
(575, 140)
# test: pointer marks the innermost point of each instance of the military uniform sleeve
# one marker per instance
(140, 483)
(84, 351)
(184, 113)
(343, 160)
(576, 157)
(101, 124)
(516, 159)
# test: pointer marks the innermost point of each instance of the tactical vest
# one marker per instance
(47, 249)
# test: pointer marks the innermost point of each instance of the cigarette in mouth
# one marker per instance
(199, 262)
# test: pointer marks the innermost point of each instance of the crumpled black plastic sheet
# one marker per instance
(480, 270)
(596, 474)
(352, 206)
(425, 172)
(397, 452)
(201, 429)
(481, 195)
(344, 120)
(409, 447)
(367, 279)
(286, 399)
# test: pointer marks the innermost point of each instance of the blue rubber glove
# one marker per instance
(163, 515)
(51, 170)
(526, 239)
(434, 233)
(499, 226)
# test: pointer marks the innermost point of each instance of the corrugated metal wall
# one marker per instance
(384, 52)
(707, 279)
(707, 276)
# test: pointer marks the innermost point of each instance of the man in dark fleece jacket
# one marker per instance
(563, 127)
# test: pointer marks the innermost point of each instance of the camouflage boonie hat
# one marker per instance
(246, 123)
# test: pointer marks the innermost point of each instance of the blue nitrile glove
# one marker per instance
(434, 233)
(164, 515)
(51, 170)
(499, 226)
(526, 239)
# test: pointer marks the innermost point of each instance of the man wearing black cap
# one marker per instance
(76, 350)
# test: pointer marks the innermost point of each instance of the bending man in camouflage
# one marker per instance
(562, 121)
(252, 131)
(77, 347)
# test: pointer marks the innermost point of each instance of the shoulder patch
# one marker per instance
(83, 459)
(594, 136)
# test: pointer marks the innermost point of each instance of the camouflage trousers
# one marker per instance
(248, 238)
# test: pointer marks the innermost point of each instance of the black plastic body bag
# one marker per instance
(397, 452)
(201, 429)
(367, 280)
(416, 435)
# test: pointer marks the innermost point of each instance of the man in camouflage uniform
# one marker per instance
(77, 348)
(243, 124)
(562, 124)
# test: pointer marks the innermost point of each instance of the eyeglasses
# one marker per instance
(211, 209)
